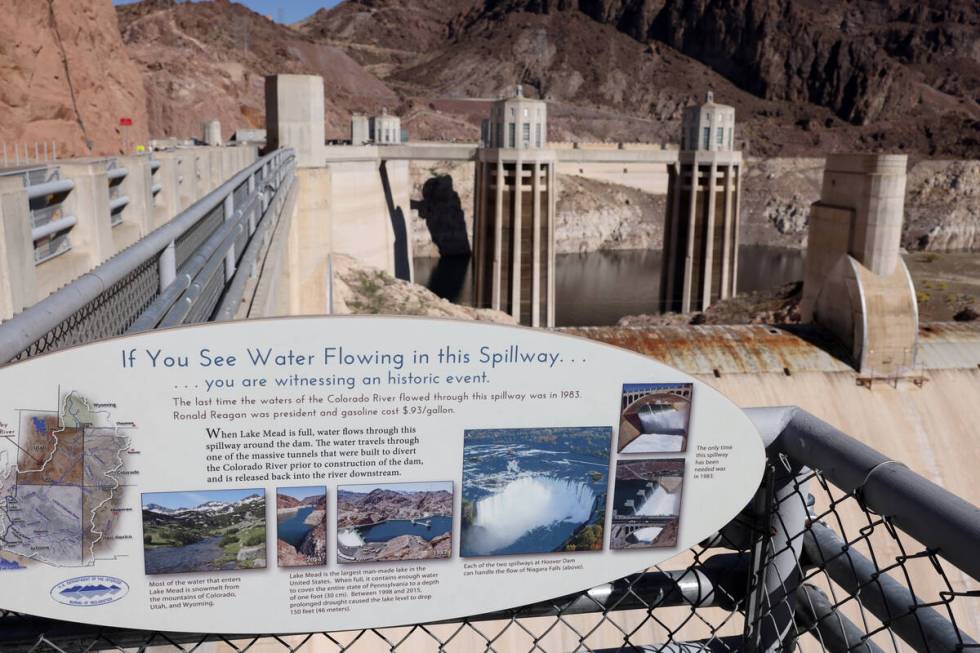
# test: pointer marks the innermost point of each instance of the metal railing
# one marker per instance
(25, 154)
(840, 550)
(115, 174)
(168, 277)
(46, 193)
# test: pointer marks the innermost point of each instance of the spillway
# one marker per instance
(660, 504)
(528, 503)
(350, 538)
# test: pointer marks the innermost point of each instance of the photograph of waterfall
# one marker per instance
(539, 490)
(646, 503)
(655, 417)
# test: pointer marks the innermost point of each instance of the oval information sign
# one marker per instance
(311, 474)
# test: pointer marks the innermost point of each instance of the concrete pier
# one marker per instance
(294, 116)
(855, 283)
(513, 232)
(700, 260)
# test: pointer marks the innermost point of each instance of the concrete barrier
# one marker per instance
(138, 215)
(17, 278)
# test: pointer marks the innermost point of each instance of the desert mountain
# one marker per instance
(208, 60)
(379, 505)
(803, 75)
(284, 501)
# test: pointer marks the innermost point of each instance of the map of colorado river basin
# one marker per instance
(60, 483)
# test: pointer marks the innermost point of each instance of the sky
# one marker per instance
(175, 500)
(291, 10)
(400, 487)
(301, 493)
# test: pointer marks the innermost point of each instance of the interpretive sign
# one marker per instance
(311, 474)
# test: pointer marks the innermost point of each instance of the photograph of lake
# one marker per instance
(536, 490)
(301, 526)
(646, 503)
(655, 417)
(207, 530)
(394, 521)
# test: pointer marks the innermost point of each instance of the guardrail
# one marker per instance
(167, 277)
(50, 225)
(842, 549)
(115, 174)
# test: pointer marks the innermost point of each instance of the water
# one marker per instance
(530, 492)
(667, 421)
(598, 288)
(388, 530)
(200, 556)
(659, 503)
(294, 530)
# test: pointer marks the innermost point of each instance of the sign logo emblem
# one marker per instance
(87, 591)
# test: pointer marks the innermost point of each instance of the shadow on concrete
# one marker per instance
(448, 278)
(442, 211)
(399, 227)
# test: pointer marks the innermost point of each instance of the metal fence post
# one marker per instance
(781, 517)
(251, 194)
(229, 209)
(168, 266)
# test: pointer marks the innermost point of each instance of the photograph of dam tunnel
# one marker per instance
(655, 418)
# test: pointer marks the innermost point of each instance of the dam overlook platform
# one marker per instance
(848, 386)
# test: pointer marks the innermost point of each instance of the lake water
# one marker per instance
(200, 556)
(293, 530)
(598, 288)
(392, 528)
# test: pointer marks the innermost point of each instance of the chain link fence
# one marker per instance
(841, 550)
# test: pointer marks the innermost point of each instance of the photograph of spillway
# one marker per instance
(534, 490)
(646, 503)
(394, 521)
(655, 417)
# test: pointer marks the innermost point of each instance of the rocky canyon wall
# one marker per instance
(66, 78)
(942, 207)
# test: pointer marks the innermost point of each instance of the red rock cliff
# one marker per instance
(66, 77)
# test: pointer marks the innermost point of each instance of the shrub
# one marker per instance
(254, 539)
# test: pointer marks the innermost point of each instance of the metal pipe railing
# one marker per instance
(118, 203)
(836, 633)
(22, 330)
(233, 296)
(117, 173)
(939, 520)
(920, 626)
(53, 227)
(56, 187)
(163, 307)
(931, 514)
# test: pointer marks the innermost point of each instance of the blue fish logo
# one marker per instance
(89, 591)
